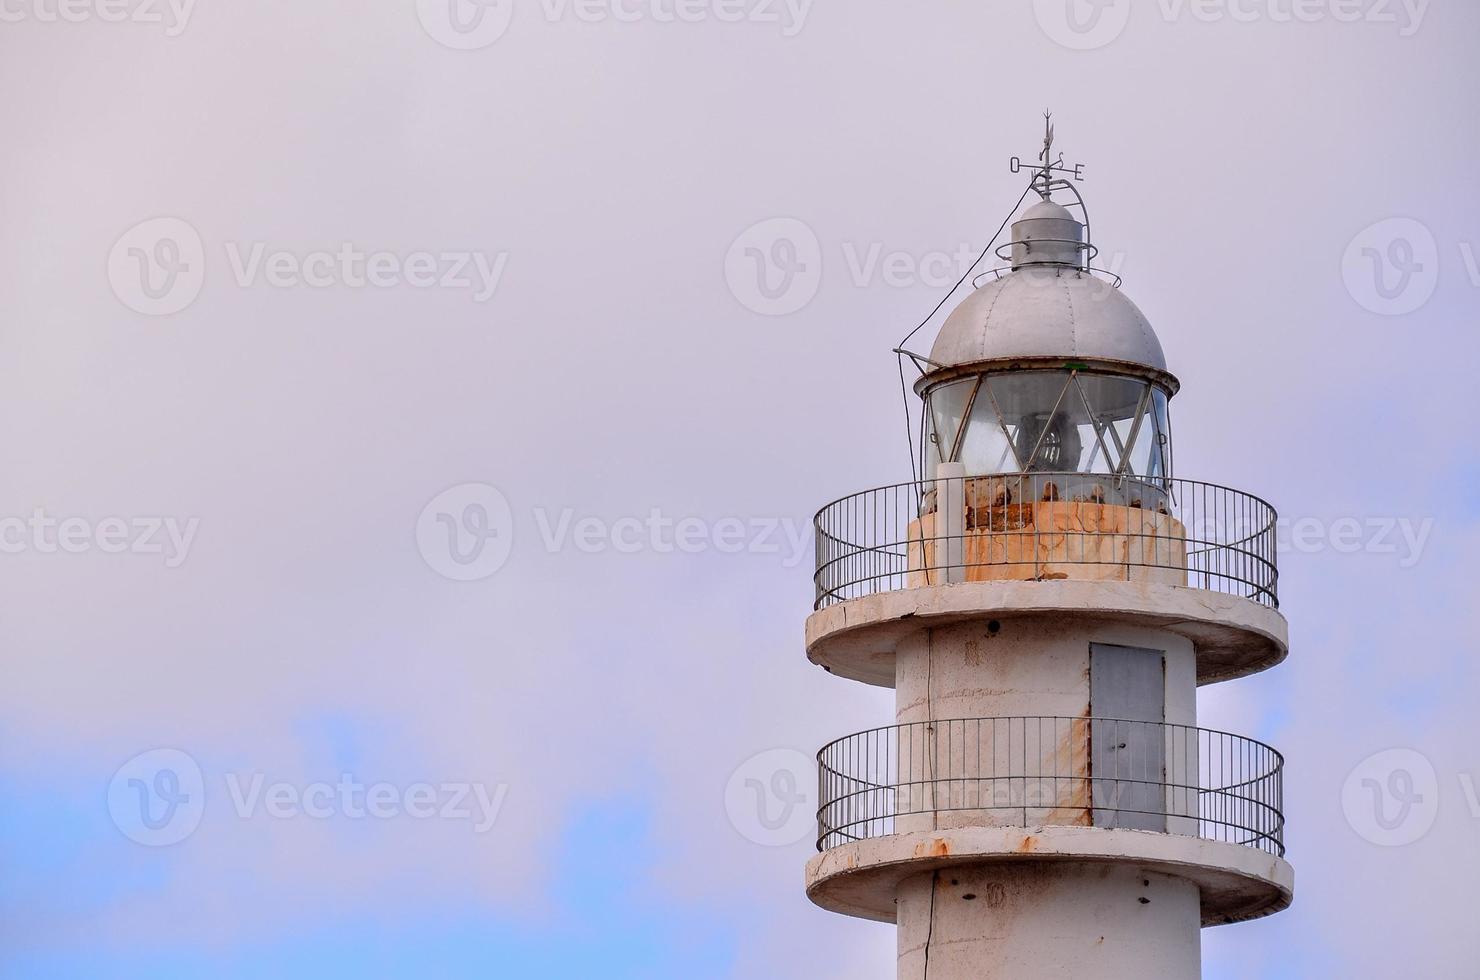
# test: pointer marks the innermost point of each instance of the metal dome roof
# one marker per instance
(1049, 209)
(1056, 312)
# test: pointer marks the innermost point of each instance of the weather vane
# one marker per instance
(1044, 179)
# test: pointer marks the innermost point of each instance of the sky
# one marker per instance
(413, 414)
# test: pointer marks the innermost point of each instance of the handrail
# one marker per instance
(1025, 771)
(1177, 531)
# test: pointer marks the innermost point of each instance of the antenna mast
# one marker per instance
(1046, 174)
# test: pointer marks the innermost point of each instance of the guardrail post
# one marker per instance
(950, 515)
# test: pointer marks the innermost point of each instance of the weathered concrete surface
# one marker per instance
(1235, 882)
(1049, 540)
(1033, 666)
(1232, 636)
(1011, 921)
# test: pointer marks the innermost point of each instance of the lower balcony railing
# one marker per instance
(1031, 772)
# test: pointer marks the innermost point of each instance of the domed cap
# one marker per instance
(1047, 234)
(1048, 313)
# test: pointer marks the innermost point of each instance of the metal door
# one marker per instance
(1127, 738)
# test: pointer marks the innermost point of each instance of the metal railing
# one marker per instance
(1012, 526)
(1032, 772)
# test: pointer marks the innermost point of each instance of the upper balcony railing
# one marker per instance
(1042, 526)
(1032, 772)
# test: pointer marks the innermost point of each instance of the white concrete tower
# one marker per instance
(1045, 604)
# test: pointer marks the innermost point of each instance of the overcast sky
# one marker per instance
(391, 396)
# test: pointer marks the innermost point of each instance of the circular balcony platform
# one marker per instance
(1195, 558)
(1233, 636)
(1237, 883)
(1197, 804)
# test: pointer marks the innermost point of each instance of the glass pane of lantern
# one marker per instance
(1041, 419)
(1162, 459)
(1139, 460)
(947, 403)
(1145, 455)
(1077, 423)
(1123, 415)
(1103, 445)
(1113, 398)
(985, 448)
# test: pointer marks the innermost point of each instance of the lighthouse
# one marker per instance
(1045, 598)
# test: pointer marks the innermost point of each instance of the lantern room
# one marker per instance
(1048, 368)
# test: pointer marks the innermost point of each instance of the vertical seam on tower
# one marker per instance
(987, 320)
(1073, 325)
(930, 928)
(930, 723)
(934, 803)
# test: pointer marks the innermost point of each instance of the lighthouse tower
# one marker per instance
(1045, 602)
